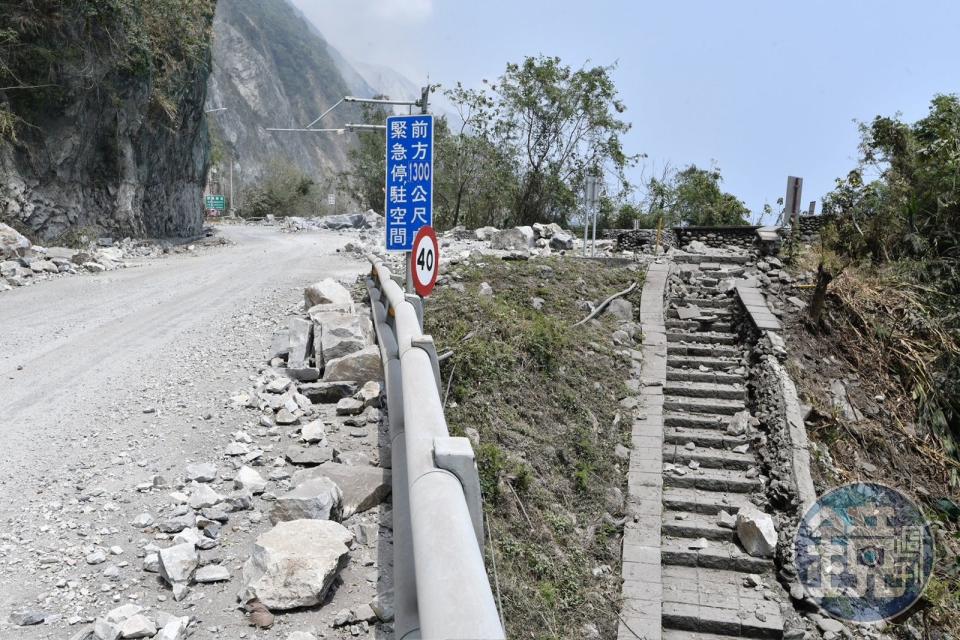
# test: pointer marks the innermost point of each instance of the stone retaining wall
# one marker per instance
(744, 237)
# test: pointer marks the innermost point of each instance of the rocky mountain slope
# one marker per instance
(101, 116)
(272, 68)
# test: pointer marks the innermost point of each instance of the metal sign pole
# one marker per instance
(408, 255)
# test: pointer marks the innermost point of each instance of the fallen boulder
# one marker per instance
(327, 291)
(315, 498)
(756, 532)
(362, 488)
(340, 334)
(12, 243)
(513, 239)
(360, 366)
(294, 564)
(177, 563)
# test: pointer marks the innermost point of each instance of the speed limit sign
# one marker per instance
(425, 261)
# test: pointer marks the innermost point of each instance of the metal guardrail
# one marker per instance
(440, 583)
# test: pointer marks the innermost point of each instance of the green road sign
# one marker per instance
(216, 202)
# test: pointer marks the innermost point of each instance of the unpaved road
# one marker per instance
(108, 379)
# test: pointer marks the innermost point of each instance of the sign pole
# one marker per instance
(424, 97)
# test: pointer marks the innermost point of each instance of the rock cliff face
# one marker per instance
(272, 68)
(114, 137)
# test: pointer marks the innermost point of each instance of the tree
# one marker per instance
(366, 176)
(561, 125)
(691, 196)
(285, 190)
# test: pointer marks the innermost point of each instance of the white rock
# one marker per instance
(327, 291)
(756, 532)
(294, 564)
(201, 472)
(362, 488)
(249, 479)
(315, 498)
(360, 366)
(338, 334)
(174, 630)
(212, 573)
(138, 626)
(177, 563)
(202, 496)
(314, 431)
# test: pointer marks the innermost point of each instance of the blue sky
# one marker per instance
(764, 89)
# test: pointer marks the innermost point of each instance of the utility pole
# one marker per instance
(231, 186)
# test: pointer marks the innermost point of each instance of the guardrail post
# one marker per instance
(456, 456)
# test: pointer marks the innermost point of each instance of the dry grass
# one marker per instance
(543, 400)
(882, 338)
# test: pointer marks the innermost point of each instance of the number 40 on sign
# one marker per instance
(425, 261)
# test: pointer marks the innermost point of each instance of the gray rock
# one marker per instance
(105, 630)
(12, 243)
(301, 343)
(361, 488)
(212, 573)
(485, 290)
(485, 233)
(138, 626)
(312, 432)
(620, 309)
(756, 532)
(561, 241)
(202, 495)
(294, 564)
(339, 334)
(250, 480)
(327, 291)
(177, 523)
(518, 238)
(201, 472)
(177, 563)
(325, 392)
(317, 498)
(361, 366)
(309, 456)
(174, 630)
(350, 407)
(27, 617)
(369, 394)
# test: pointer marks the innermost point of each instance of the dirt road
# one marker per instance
(109, 379)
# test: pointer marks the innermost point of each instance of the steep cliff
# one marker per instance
(101, 120)
(272, 68)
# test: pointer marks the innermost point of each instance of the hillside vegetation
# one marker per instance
(540, 399)
(101, 114)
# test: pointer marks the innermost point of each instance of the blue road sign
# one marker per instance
(409, 188)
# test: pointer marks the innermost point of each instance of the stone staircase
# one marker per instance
(709, 583)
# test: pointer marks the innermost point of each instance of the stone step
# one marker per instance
(705, 390)
(702, 437)
(721, 313)
(695, 375)
(705, 304)
(700, 602)
(711, 337)
(698, 258)
(712, 480)
(708, 457)
(677, 361)
(702, 405)
(676, 634)
(713, 422)
(706, 350)
(693, 325)
(687, 524)
(702, 501)
(717, 555)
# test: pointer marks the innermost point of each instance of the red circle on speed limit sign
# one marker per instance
(425, 261)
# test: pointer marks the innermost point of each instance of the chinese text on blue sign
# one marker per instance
(409, 179)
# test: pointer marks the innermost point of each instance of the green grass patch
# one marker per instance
(541, 398)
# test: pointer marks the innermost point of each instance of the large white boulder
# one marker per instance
(294, 564)
(485, 233)
(514, 239)
(178, 563)
(561, 241)
(756, 531)
(359, 366)
(12, 243)
(314, 498)
(327, 291)
(338, 334)
(362, 487)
